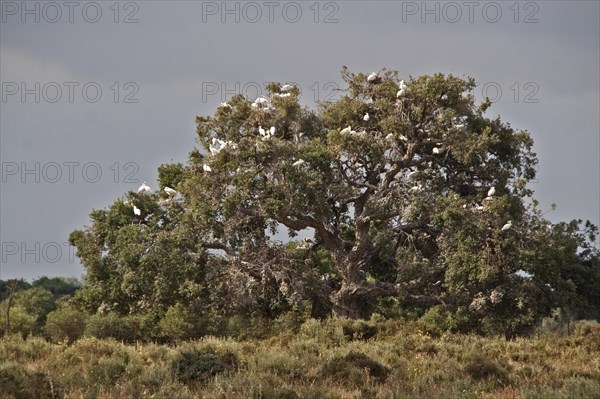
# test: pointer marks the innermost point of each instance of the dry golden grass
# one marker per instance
(322, 360)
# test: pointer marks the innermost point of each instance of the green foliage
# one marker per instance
(398, 361)
(355, 368)
(6, 285)
(19, 383)
(438, 320)
(481, 367)
(178, 323)
(36, 301)
(198, 367)
(21, 322)
(110, 325)
(359, 329)
(29, 308)
(587, 333)
(65, 324)
(171, 175)
(58, 286)
(397, 205)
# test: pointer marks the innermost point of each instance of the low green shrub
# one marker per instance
(177, 323)
(358, 329)
(587, 332)
(481, 367)
(65, 324)
(351, 369)
(192, 366)
(19, 383)
(110, 325)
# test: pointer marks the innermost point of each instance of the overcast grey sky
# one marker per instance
(96, 95)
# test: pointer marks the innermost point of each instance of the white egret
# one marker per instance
(403, 89)
(507, 226)
(261, 100)
(403, 138)
(437, 150)
(170, 192)
(137, 211)
(372, 77)
(206, 168)
(346, 130)
(491, 192)
(299, 162)
(261, 131)
(389, 136)
(224, 105)
(445, 97)
(366, 117)
(272, 131)
(286, 87)
(144, 188)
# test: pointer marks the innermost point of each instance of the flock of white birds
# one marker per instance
(261, 103)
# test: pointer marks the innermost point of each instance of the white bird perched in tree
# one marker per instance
(389, 136)
(261, 131)
(366, 117)
(285, 88)
(137, 211)
(170, 192)
(261, 100)
(403, 88)
(437, 150)
(272, 131)
(372, 77)
(507, 226)
(491, 192)
(224, 105)
(444, 97)
(299, 162)
(346, 130)
(282, 95)
(206, 168)
(216, 146)
(144, 188)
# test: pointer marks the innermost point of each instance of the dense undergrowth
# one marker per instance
(330, 359)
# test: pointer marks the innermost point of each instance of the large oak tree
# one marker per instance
(393, 181)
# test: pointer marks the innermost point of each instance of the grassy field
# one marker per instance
(332, 359)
